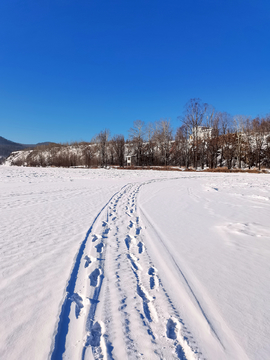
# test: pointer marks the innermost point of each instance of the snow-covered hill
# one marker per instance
(58, 155)
(7, 146)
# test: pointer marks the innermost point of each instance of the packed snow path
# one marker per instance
(117, 306)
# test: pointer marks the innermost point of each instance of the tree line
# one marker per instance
(205, 138)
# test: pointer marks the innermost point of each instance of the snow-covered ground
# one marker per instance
(110, 264)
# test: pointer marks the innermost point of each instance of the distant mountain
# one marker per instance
(7, 146)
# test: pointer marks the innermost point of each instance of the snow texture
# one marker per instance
(111, 264)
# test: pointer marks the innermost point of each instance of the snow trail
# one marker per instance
(62, 330)
(116, 305)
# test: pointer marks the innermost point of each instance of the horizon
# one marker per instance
(71, 70)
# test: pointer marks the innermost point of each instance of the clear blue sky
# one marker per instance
(69, 69)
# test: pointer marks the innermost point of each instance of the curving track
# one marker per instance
(116, 305)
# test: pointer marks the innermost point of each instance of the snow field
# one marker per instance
(215, 236)
(110, 264)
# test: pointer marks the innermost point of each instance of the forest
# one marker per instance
(206, 138)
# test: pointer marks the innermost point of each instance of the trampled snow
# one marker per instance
(117, 264)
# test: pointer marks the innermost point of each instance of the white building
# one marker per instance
(201, 132)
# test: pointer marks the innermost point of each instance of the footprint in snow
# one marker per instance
(172, 329)
(131, 223)
(129, 240)
(99, 247)
(87, 261)
(79, 303)
(140, 247)
(105, 232)
(95, 335)
(180, 352)
(153, 280)
(96, 237)
(148, 308)
(94, 277)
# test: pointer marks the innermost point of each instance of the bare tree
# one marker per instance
(118, 144)
(266, 150)
(89, 154)
(137, 135)
(239, 130)
(180, 149)
(102, 140)
(229, 148)
(150, 145)
(163, 136)
(248, 150)
(193, 119)
(212, 139)
(225, 121)
(259, 139)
